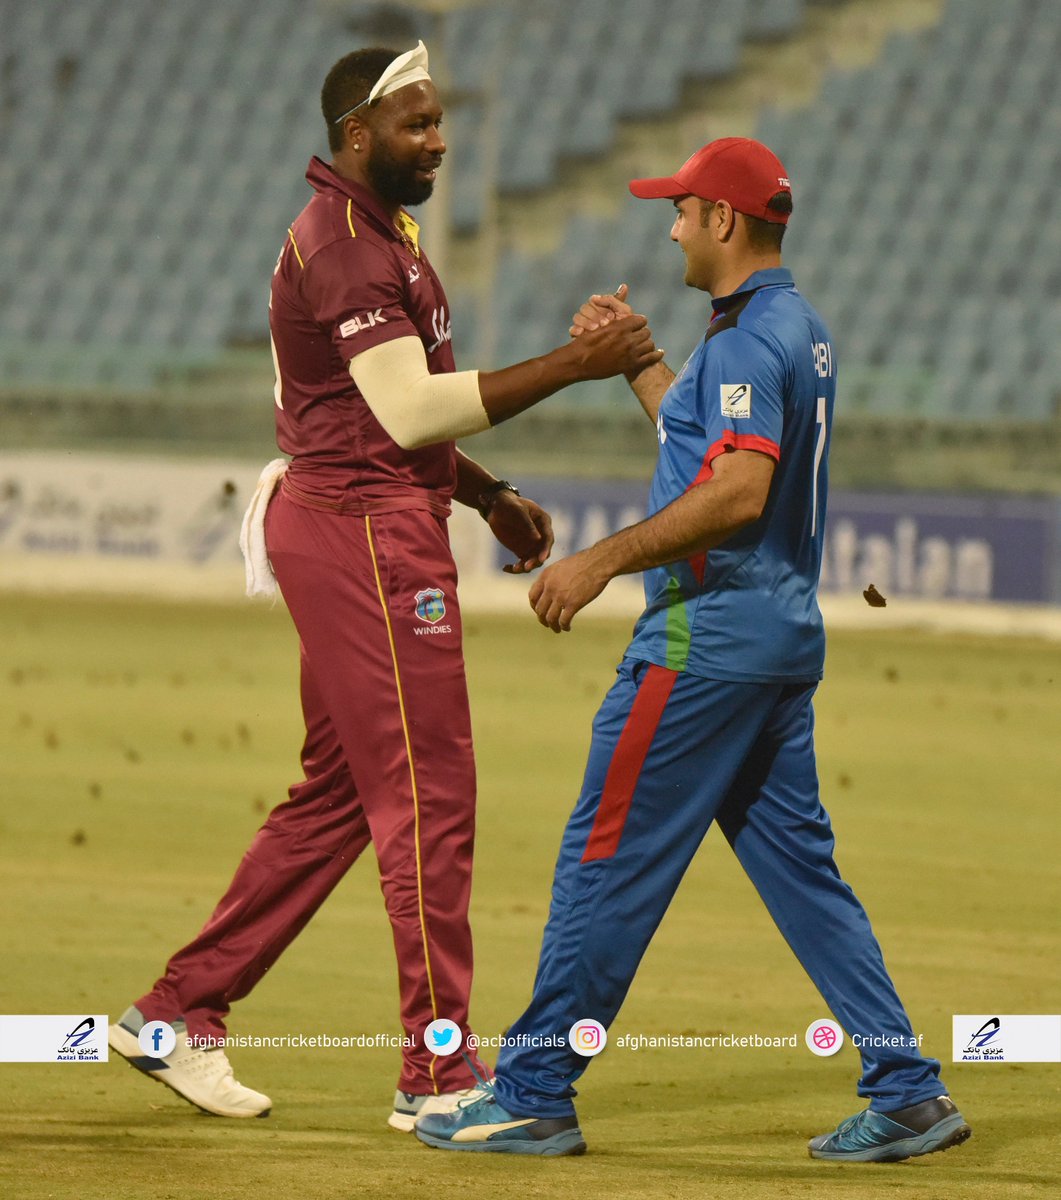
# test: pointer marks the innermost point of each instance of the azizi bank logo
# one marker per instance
(363, 321)
(985, 1044)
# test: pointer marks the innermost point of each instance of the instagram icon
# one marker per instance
(587, 1037)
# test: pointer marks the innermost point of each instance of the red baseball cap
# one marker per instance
(739, 170)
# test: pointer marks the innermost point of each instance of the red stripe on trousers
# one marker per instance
(627, 760)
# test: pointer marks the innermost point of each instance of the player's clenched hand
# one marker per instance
(600, 309)
(567, 586)
(523, 527)
(623, 345)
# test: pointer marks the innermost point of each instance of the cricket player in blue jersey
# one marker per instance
(710, 719)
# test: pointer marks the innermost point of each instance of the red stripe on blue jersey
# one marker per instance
(629, 757)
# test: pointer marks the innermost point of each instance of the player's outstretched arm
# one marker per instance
(417, 408)
(700, 519)
(648, 384)
(520, 525)
(617, 348)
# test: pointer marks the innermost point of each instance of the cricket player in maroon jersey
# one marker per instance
(368, 404)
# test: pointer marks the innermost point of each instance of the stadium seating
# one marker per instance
(928, 228)
(939, 252)
(151, 157)
(151, 163)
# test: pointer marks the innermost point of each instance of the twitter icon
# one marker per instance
(443, 1037)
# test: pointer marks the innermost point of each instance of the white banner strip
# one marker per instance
(987, 1037)
(73, 1038)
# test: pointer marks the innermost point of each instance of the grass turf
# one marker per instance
(142, 743)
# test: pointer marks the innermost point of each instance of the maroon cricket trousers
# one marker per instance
(387, 760)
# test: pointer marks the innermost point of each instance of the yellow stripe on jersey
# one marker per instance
(294, 246)
(409, 228)
(412, 777)
(350, 217)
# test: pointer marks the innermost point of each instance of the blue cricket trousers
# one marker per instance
(672, 752)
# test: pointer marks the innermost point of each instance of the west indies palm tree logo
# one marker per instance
(430, 605)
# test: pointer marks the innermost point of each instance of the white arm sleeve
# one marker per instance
(415, 407)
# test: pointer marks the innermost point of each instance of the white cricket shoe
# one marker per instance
(408, 1106)
(203, 1077)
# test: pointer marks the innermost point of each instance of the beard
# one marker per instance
(395, 181)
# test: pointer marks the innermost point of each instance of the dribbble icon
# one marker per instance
(157, 1039)
(824, 1038)
(443, 1037)
(587, 1037)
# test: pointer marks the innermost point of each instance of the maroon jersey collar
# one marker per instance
(324, 178)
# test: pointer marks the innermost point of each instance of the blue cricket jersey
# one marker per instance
(762, 379)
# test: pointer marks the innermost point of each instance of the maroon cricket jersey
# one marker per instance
(347, 279)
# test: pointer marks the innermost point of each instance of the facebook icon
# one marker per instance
(157, 1039)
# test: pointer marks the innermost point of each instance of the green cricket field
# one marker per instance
(142, 743)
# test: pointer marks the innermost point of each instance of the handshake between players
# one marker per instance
(570, 584)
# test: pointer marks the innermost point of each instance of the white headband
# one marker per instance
(410, 67)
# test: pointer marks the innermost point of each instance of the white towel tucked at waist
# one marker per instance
(260, 578)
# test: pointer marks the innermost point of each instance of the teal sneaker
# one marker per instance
(482, 1124)
(891, 1137)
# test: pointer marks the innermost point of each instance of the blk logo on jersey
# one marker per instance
(736, 400)
(430, 605)
(363, 321)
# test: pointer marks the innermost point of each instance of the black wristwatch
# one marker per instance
(489, 494)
